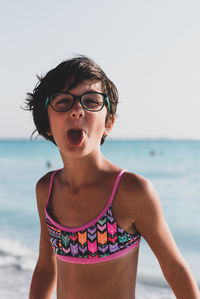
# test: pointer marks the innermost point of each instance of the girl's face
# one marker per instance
(77, 131)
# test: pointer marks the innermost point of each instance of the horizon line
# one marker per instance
(107, 140)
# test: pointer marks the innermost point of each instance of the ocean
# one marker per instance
(172, 165)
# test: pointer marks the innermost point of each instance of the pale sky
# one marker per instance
(150, 49)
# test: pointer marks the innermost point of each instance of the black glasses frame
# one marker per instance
(105, 101)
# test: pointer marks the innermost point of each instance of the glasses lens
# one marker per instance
(61, 101)
(93, 101)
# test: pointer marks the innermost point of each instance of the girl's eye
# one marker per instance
(59, 101)
(91, 103)
(63, 101)
(92, 100)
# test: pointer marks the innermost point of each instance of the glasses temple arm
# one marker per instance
(108, 104)
(47, 102)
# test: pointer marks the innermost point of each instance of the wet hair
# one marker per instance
(70, 72)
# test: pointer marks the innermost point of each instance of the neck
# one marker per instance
(78, 172)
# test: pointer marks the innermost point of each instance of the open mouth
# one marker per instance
(75, 137)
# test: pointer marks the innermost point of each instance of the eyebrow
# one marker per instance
(88, 90)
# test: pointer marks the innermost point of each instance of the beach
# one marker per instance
(172, 166)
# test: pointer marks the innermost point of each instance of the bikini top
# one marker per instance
(100, 240)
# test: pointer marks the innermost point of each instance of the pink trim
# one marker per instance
(77, 260)
(92, 222)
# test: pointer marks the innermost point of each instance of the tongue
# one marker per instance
(75, 137)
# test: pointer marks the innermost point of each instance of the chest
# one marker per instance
(74, 210)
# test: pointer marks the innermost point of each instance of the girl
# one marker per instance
(93, 213)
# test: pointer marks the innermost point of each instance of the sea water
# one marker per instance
(172, 165)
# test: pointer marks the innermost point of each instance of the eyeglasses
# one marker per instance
(91, 101)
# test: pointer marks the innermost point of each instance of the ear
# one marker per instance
(109, 124)
(49, 132)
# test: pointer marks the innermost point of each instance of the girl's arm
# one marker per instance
(44, 277)
(150, 221)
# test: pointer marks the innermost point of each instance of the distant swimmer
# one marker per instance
(152, 153)
(48, 164)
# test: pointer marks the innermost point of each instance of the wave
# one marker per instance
(14, 254)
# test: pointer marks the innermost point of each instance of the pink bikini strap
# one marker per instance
(50, 186)
(116, 186)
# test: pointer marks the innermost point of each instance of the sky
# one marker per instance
(150, 49)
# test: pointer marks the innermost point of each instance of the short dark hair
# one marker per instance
(72, 71)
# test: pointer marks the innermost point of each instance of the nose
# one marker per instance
(77, 110)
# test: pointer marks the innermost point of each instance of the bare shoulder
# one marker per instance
(42, 190)
(142, 196)
(145, 208)
(139, 186)
(42, 185)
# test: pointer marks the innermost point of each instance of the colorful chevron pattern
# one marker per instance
(102, 239)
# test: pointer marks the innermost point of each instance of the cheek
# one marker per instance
(55, 122)
(100, 122)
(51, 125)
